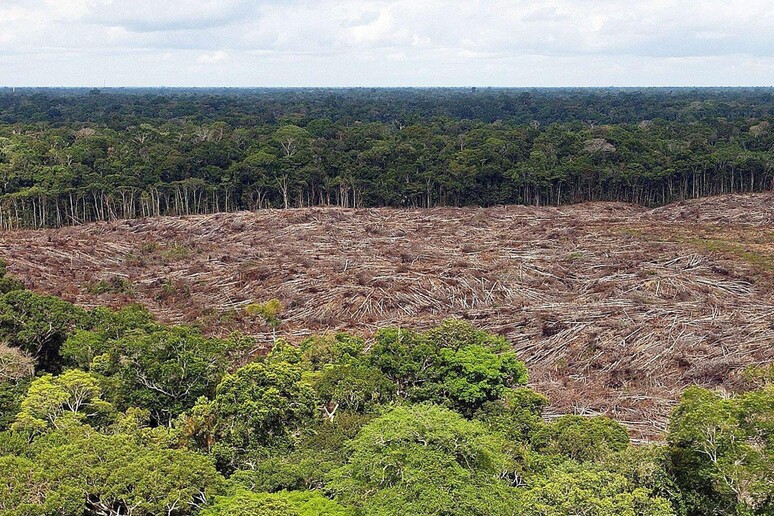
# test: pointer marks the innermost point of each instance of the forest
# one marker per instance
(69, 156)
(110, 412)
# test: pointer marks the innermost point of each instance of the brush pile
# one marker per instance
(615, 309)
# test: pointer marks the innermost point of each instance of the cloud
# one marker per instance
(214, 57)
(363, 18)
(400, 42)
(170, 15)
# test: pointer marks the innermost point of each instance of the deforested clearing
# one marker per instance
(614, 308)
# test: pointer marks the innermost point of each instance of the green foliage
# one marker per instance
(321, 450)
(648, 467)
(21, 488)
(269, 311)
(293, 503)
(283, 351)
(80, 471)
(55, 402)
(352, 387)
(516, 416)
(8, 283)
(300, 469)
(581, 438)
(166, 371)
(162, 369)
(339, 348)
(425, 459)
(453, 364)
(84, 344)
(264, 404)
(722, 450)
(575, 489)
(38, 325)
(11, 396)
(244, 503)
(472, 375)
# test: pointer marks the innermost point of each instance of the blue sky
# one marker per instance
(386, 43)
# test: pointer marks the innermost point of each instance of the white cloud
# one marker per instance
(214, 57)
(387, 42)
(169, 15)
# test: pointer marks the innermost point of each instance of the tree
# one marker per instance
(245, 503)
(270, 313)
(260, 405)
(646, 466)
(355, 388)
(721, 450)
(22, 489)
(581, 438)
(8, 283)
(425, 459)
(293, 503)
(339, 348)
(517, 416)
(320, 450)
(38, 325)
(259, 167)
(453, 364)
(294, 143)
(118, 476)
(79, 471)
(74, 395)
(162, 369)
(573, 490)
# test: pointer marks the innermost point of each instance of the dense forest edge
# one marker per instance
(74, 156)
(108, 412)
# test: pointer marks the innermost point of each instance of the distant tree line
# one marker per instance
(69, 156)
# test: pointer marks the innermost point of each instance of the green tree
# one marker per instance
(352, 387)
(164, 370)
(320, 450)
(53, 399)
(425, 459)
(453, 364)
(722, 450)
(293, 142)
(39, 325)
(261, 405)
(292, 503)
(79, 471)
(8, 283)
(339, 348)
(22, 489)
(517, 416)
(573, 489)
(270, 312)
(581, 438)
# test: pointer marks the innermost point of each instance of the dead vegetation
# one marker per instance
(614, 308)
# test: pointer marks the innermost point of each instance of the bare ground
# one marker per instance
(614, 308)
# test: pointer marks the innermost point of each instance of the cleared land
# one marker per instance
(614, 308)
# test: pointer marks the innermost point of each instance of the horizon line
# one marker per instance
(387, 87)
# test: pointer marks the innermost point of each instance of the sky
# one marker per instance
(241, 43)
